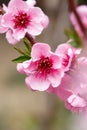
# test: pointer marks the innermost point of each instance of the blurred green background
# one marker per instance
(20, 108)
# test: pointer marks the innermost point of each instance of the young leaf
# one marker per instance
(25, 52)
(21, 59)
(20, 51)
(72, 34)
(27, 44)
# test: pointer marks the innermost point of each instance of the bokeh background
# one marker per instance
(20, 108)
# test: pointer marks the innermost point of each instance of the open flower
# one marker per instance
(68, 55)
(73, 88)
(43, 69)
(22, 17)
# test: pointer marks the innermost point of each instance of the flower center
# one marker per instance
(44, 65)
(21, 20)
(66, 60)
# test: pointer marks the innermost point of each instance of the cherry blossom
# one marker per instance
(22, 17)
(68, 55)
(43, 70)
(73, 88)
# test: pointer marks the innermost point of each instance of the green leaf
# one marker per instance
(27, 44)
(25, 52)
(21, 59)
(20, 51)
(76, 40)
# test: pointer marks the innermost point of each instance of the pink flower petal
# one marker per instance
(20, 68)
(7, 20)
(37, 83)
(34, 28)
(76, 101)
(39, 50)
(2, 28)
(10, 38)
(37, 15)
(5, 8)
(31, 2)
(62, 49)
(56, 61)
(55, 77)
(30, 66)
(27, 67)
(63, 93)
(45, 21)
(17, 5)
(19, 34)
(38, 21)
(65, 88)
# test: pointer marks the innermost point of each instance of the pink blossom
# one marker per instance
(82, 11)
(43, 70)
(68, 55)
(73, 88)
(22, 17)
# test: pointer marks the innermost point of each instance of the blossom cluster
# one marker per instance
(63, 72)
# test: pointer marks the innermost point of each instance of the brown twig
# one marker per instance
(1, 10)
(30, 38)
(72, 8)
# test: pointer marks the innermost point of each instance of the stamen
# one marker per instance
(21, 20)
(44, 65)
(66, 60)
